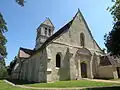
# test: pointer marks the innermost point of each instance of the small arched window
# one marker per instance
(82, 39)
(49, 32)
(58, 60)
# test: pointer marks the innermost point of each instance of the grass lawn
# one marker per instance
(80, 83)
(5, 86)
(62, 84)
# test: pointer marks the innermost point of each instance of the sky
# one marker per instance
(22, 22)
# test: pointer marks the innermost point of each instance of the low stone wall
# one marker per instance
(105, 71)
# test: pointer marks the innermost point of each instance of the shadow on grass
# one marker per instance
(103, 78)
(105, 88)
(20, 82)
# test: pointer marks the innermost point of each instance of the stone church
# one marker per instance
(71, 53)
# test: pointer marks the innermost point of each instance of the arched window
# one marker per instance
(82, 39)
(58, 60)
(49, 32)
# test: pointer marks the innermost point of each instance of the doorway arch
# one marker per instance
(84, 70)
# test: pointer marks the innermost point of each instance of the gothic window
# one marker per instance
(45, 31)
(49, 32)
(58, 60)
(82, 39)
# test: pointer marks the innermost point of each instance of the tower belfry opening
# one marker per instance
(44, 31)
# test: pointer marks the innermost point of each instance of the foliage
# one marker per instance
(3, 73)
(3, 41)
(12, 65)
(112, 39)
(20, 2)
(3, 27)
(3, 70)
(3, 52)
(115, 10)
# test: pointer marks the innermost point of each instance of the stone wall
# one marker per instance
(54, 73)
(106, 72)
(67, 45)
(41, 67)
(34, 68)
(72, 36)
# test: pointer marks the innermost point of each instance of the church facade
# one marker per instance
(69, 54)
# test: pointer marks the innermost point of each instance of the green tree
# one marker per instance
(112, 39)
(3, 29)
(3, 41)
(12, 65)
(20, 2)
(115, 10)
(3, 52)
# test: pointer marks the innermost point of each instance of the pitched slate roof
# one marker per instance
(104, 61)
(66, 28)
(28, 51)
(58, 33)
(62, 30)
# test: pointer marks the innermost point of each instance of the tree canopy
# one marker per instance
(3, 41)
(3, 29)
(112, 39)
(115, 10)
(20, 2)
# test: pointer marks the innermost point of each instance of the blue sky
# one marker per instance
(23, 21)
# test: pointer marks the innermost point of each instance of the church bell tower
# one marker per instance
(44, 31)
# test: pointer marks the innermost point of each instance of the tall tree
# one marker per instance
(3, 52)
(115, 10)
(112, 39)
(3, 29)
(3, 41)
